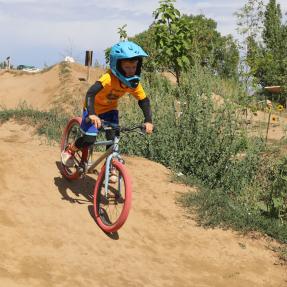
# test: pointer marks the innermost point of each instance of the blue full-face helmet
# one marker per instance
(126, 50)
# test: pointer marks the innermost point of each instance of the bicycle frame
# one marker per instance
(83, 166)
(111, 152)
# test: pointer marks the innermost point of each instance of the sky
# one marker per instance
(39, 33)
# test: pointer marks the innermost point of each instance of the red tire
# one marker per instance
(112, 210)
(70, 134)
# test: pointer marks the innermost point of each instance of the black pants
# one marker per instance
(86, 140)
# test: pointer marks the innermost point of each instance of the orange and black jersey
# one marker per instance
(103, 96)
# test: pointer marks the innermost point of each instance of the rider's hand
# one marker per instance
(95, 120)
(148, 127)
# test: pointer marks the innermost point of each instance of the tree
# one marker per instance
(272, 32)
(275, 44)
(226, 58)
(123, 37)
(172, 37)
(250, 19)
(266, 53)
(250, 25)
(123, 33)
(146, 40)
(211, 49)
(205, 47)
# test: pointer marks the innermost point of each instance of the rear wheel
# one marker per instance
(70, 134)
(112, 207)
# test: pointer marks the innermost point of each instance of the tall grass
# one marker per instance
(48, 123)
(241, 188)
(204, 141)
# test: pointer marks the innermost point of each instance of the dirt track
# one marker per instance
(49, 236)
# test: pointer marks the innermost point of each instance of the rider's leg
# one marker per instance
(84, 141)
(112, 117)
(81, 142)
(89, 137)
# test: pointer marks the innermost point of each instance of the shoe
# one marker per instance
(113, 176)
(67, 158)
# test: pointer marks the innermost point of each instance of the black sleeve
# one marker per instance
(90, 97)
(145, 106)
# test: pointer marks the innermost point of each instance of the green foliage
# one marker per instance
(123, 33)
(177, 42)
(147, 42)
(200, 139)
(123, 36)
(208, 47)
(207, 143)
(250, 19)
(273, 181)
(274, 55)
(216, 208)
(272, 33)
(64, 71)
(266, 42)
(172, 37)
(107, 55)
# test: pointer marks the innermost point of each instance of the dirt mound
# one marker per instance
(39, 90)
(81, 72)
(49, 236)
(36, 89)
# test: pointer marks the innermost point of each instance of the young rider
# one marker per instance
(102, 97)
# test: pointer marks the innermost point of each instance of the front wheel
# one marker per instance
(71, 133)
(112, 206)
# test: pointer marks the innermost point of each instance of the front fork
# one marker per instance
(112, 156)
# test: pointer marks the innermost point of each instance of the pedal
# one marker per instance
(82, 168)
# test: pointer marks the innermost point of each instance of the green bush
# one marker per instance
(207, 142)
(203, 141)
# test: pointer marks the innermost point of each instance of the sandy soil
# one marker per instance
(49, 236)
(40, 89)
(36, 89)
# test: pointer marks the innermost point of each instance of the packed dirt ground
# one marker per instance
(49, 236)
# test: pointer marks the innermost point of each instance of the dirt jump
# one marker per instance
(49, 236)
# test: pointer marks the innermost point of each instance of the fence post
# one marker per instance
(88, 62)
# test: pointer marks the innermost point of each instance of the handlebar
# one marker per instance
(139, 128)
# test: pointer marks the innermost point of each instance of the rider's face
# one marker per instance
(129, 67)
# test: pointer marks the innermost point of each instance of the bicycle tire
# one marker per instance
(72, 129)
(100, 213)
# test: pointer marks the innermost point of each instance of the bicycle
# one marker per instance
(112, 201)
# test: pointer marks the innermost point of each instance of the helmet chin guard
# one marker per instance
(126, 50)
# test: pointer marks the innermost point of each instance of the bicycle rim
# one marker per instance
(71, 133)
(112, 208)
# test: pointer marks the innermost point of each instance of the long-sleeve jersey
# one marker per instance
(103, 96)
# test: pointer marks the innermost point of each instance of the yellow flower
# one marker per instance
(279, 108)
(273, 119)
